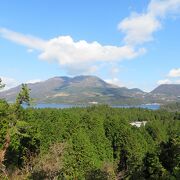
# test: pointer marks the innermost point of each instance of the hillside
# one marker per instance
(79, 89)
(164, 93)
(168, 89)
(92, 90)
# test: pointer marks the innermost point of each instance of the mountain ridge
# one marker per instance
(78, 89)
(168, 89)
(87, 89)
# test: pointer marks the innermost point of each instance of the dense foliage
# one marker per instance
(172, 107)
(95, 142)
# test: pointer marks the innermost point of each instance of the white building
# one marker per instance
(138, 123)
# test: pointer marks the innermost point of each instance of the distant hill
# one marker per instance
(163, 94)
(93, 90)
(168, 89)
(78, 90)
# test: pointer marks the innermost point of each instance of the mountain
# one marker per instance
(77, 90)
(164, 93)
(91, 89)
(167, 89)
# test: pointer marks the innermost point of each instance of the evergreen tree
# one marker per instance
(153, 169)
(23, 96)
(170, 155)
(1, 85)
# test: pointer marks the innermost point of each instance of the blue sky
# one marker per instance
(128, 43)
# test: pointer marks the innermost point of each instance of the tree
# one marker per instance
(170, 154)
(3, 144)
(14, 127)
(153, 169)
(1, 85)
(23, 96)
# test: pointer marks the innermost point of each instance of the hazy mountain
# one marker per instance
(164, 93)
(79, 89)
(168, 89)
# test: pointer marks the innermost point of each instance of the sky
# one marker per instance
(129, 43)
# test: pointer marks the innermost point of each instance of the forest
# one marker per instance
(93, 143)
(172, 107)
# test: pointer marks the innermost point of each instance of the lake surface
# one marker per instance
(62, 106)
(144, 106)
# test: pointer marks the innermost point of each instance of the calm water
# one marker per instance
(61, 106)
(144, 106)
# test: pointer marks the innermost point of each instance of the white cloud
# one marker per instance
(30, 50)
(67, 51)
(82, 57)
(115, 81)
(173, 77)
(27, 40)
(33, 81)
(9, 82)
(169, 81)
(139, 28)
(174, 72)
(164, 81)
(160, 8)
(73, 55)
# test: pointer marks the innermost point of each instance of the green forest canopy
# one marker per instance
(95, 142)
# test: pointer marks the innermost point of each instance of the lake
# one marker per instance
(62, 106)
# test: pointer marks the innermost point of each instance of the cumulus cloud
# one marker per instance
(67, 51)
(9, 82)
(71, 54)
(161, 8)
(139, 27)
(173, 77)
(82, 57)
(174, 72)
